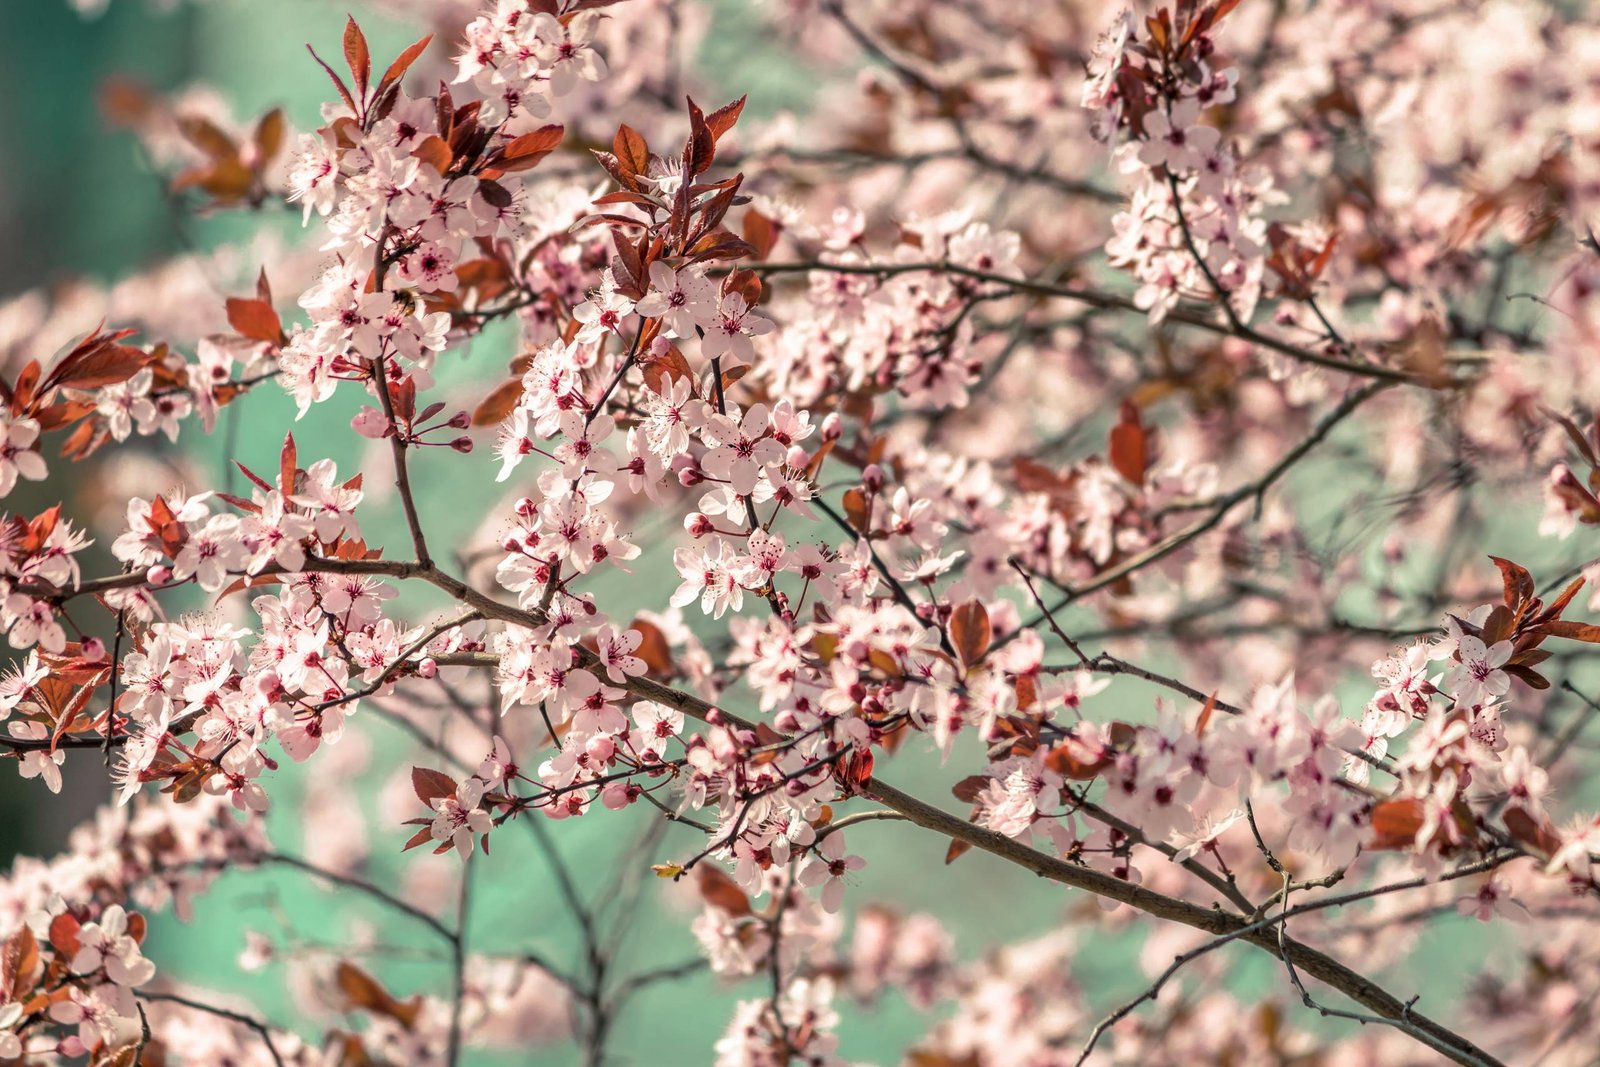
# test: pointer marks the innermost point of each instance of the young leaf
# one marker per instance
(357, 55)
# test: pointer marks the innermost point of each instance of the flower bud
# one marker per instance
(160, 574)
(689, 477)
(697, 524)
(526, 507)
(93, 648)
(832, 426)
(428, 668)
(798, 458)
(460, 421)
(872, 477)
(462, 444)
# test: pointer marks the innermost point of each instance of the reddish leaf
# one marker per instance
(357, 55)
(631, 152)
(721, 120)
(256, 320)
(402, 63)
(672, 366)
(64, 934)
(720, 891)
(338, 82)
(970, 631)
(288, 462)
(431, 785)
(653, 648)
(434, 152)
(1572, 631)
(1130, 446)
(971, 787)
(362, 991)
(269, 136)
(856, 509)
(1396, 822)
(208, 138)
(526, 151)
(498, 404)
(1517, 582)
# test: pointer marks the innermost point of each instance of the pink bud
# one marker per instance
(689, 477)
(798, 458)
(462, 444)
(428, 668)
(697, 524)
(94, 648)
(160, 574)
(512, 543)
(460, 421)
(601, 747)
(872, 477)
(832, 427)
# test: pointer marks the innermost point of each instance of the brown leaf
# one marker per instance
(338, 82)
(288, 463)
(856, 509)
(269, 136)
(653, 649)
(526, 151)
(720, 891)
(357, 55)
(361, 990)
(1396, 822)
(494, 408)
(1516, 581)
(1572, 631)
(970, 631)
(402, 63)
(434, 152)
(721, 120)
(431, 785)
(255, 319)
(672, 366)
(632, 154)
(208, 138)
(1130, 446)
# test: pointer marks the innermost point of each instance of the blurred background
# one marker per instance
(80, 201)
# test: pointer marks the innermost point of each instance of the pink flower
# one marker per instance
(1478, 679)
(827, 866)
(459, 819)
(728, 338)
